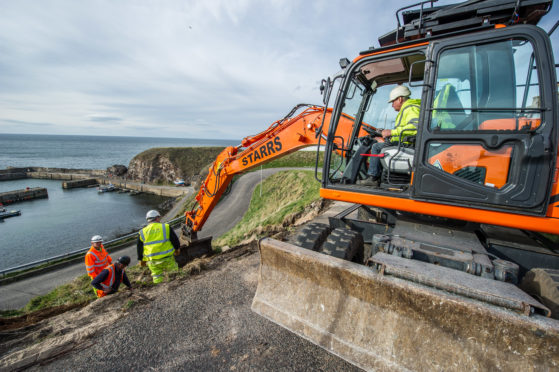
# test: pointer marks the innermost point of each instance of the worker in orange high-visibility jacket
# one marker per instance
(110, 278)
(96, 259)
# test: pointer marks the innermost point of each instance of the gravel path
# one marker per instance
(203, 323)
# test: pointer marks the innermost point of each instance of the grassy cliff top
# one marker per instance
(189, 159)
(193, 160)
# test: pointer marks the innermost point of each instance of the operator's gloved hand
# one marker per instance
(142, 263)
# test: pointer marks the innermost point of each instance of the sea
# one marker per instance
(66, 220)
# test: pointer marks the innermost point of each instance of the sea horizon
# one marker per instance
(86, 151)
(100, 136)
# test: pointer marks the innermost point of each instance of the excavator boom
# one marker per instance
(283, 137)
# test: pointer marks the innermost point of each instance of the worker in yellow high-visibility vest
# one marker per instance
(406, 125)
(156, 246)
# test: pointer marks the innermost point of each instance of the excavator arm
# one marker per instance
(283, 137)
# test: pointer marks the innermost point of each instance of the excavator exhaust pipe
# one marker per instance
(380, 322)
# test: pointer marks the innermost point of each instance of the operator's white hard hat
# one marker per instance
(150, 215)
(97, 239)
(399, 91)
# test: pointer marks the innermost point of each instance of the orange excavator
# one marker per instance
(451, 261)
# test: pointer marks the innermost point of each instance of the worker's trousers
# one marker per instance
(375, 168)
(158, 268)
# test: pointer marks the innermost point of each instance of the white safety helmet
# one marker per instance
(152, 214)
(399, 91)
(97, 239)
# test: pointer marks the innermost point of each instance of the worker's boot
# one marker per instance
(370, 181)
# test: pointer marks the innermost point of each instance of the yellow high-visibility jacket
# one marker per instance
(157, 245)
(406, 120)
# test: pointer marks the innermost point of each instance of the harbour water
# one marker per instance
(68, 218)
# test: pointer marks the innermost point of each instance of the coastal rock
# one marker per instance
(117, 170)
(165, 165)
(159, 169)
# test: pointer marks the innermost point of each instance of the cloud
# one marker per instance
(16, 126)
(104, 118)
(176, 68)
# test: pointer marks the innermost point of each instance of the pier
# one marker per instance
(88, 175)
(79, 183)
(23, 195)
(12, 176)
(169, 191)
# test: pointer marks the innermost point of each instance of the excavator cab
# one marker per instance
(486, 135)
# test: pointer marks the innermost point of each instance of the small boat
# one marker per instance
(5, 214)
(110, 187)
(179, 183)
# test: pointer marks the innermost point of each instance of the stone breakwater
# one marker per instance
(48, 173)
(23, 195)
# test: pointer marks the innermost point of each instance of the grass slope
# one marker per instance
(283, 194)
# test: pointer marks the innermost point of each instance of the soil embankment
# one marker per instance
(202, 322)
(197, 322)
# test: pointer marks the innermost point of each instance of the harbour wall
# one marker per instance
(83, 174)
(22, 195)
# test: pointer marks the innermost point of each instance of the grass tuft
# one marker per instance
(77, 291)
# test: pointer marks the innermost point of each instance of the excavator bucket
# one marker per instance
(381, 322)
(194, 249)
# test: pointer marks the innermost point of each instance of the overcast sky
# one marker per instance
(176, 68)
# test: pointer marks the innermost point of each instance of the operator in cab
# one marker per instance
(406, 125)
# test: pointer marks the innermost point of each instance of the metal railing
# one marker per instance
(76, 252)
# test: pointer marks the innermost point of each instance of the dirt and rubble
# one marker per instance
(200, 321)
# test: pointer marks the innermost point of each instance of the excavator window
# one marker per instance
(365, 101)
(485, 87)
(492, 86)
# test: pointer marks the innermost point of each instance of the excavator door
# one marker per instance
(488, 136)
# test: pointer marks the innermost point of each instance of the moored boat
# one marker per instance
(5, 213)
(110, 187)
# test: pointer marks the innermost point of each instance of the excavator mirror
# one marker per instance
(344, 62)
(325, 89)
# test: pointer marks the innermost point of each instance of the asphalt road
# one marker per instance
(226, 214)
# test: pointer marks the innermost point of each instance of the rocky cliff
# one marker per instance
(164, 165)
